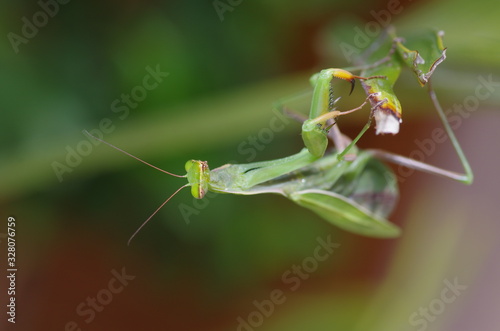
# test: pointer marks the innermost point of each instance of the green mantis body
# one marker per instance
(356, 194)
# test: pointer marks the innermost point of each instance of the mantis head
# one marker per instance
(198, 176)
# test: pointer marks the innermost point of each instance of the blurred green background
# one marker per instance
(225, 63)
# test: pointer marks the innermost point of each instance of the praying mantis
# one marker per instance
(349, 187)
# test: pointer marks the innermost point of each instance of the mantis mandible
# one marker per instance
(355, 194)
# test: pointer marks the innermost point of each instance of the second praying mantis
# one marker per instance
(349, 187)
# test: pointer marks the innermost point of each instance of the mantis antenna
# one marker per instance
(153, 214)
(132, 156)
(152, 166)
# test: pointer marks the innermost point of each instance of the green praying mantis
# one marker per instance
(349, 187)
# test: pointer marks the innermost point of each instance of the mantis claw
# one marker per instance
(353, 83)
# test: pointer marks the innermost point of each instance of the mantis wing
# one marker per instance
(345, 213)
(358, 205)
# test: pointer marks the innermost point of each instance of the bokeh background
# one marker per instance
(227, 62)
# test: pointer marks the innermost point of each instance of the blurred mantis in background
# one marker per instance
(349, 187)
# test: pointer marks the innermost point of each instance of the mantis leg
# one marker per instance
(341, 155)
(417, 165)
(340, 141)
(468, 176)
(315, 129)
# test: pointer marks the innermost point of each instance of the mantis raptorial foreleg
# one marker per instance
(341, 142)
(315, 129)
